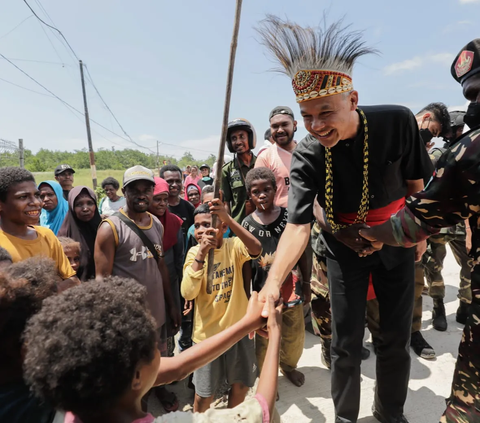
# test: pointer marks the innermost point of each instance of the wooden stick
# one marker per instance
(221, 149)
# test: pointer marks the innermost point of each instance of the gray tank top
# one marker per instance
(134, 260)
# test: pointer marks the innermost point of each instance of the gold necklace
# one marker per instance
(364, 203)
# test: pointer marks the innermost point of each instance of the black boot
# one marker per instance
(326, 355)
(462, 313)
(438, 314)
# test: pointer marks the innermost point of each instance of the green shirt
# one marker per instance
(233, 186)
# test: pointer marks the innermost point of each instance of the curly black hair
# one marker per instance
(5, 255)
(259, 173)
(10, 176)
(169, 168)
(23, 287)
(110, 181)
(84, 345)
(441, 115)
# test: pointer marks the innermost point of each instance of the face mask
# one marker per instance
(426, 135)
(472, 117)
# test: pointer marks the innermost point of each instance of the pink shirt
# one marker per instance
(278, 161)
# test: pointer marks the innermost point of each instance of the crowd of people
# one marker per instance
(96, 296)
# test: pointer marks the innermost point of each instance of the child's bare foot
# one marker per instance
(296, 377)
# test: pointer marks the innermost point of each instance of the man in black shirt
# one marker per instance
(177, 205)
(184, 210)
(360, 163)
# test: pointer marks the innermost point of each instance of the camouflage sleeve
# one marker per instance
(450, 197)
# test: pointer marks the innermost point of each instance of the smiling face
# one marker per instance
(174, 181)
(48, 196)
(205, 171)
(283, 128)
(332, 118)
(239, 139)
(22, 205)
(65, 179)
(110, 192)
(84, 207)
(159, 204)
(139, 195)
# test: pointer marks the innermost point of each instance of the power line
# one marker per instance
(52, 27)
(9, 32)
(25, 88)
(108, 108)
(69, 105)
(39, 61)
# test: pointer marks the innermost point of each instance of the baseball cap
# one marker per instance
(281, 110)
(137, 173)
(62, 168)
(204, 166)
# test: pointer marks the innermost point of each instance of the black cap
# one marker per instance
(456, 118)
(467, 62)
(281, 110)
(203, 166)
(62, 168)
(268, 134)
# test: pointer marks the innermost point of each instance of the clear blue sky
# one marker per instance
(161, 65)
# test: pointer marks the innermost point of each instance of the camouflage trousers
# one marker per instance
(433, 263)
(321, 312)
(463, 405)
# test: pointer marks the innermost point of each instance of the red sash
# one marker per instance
(375, 217)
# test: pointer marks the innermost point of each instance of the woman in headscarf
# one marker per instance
(81, 224)
(55, 207)
(193, 193)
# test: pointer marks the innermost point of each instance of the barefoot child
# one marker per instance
(102, 340)
(267, 224)
(224, 307)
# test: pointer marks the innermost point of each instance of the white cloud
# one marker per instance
(417, 62)
(406, 65)
(469, 1)
(456, 26)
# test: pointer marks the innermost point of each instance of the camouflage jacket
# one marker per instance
(451, 196)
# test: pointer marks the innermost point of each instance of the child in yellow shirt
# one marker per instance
(224, 307)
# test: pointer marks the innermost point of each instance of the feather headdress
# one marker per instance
(319, 60)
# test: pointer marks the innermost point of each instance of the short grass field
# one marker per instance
(83, 177)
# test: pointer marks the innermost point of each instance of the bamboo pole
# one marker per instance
(223, 137)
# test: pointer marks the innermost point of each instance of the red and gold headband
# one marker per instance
(312, 84)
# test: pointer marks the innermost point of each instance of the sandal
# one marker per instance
(168, 399)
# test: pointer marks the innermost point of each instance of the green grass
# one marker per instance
(83, 177)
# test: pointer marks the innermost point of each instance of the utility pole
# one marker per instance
(21, 153)
(158, 158)
(89, 134)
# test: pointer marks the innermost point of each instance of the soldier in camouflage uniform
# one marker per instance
(451, 197)
(436, 251)
(320, 303)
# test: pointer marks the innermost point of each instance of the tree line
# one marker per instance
(46, 160)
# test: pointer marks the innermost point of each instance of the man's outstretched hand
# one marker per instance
(262, 298)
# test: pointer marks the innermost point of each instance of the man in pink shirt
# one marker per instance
(278, 157)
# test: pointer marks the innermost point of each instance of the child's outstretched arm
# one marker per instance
(267, 385)
(179, 367)
(253, 245)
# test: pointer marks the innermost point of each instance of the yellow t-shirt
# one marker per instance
(46, 244)
(227, 304)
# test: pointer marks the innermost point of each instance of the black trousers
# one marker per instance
(348, 292)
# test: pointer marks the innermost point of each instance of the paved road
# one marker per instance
(429, 382)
